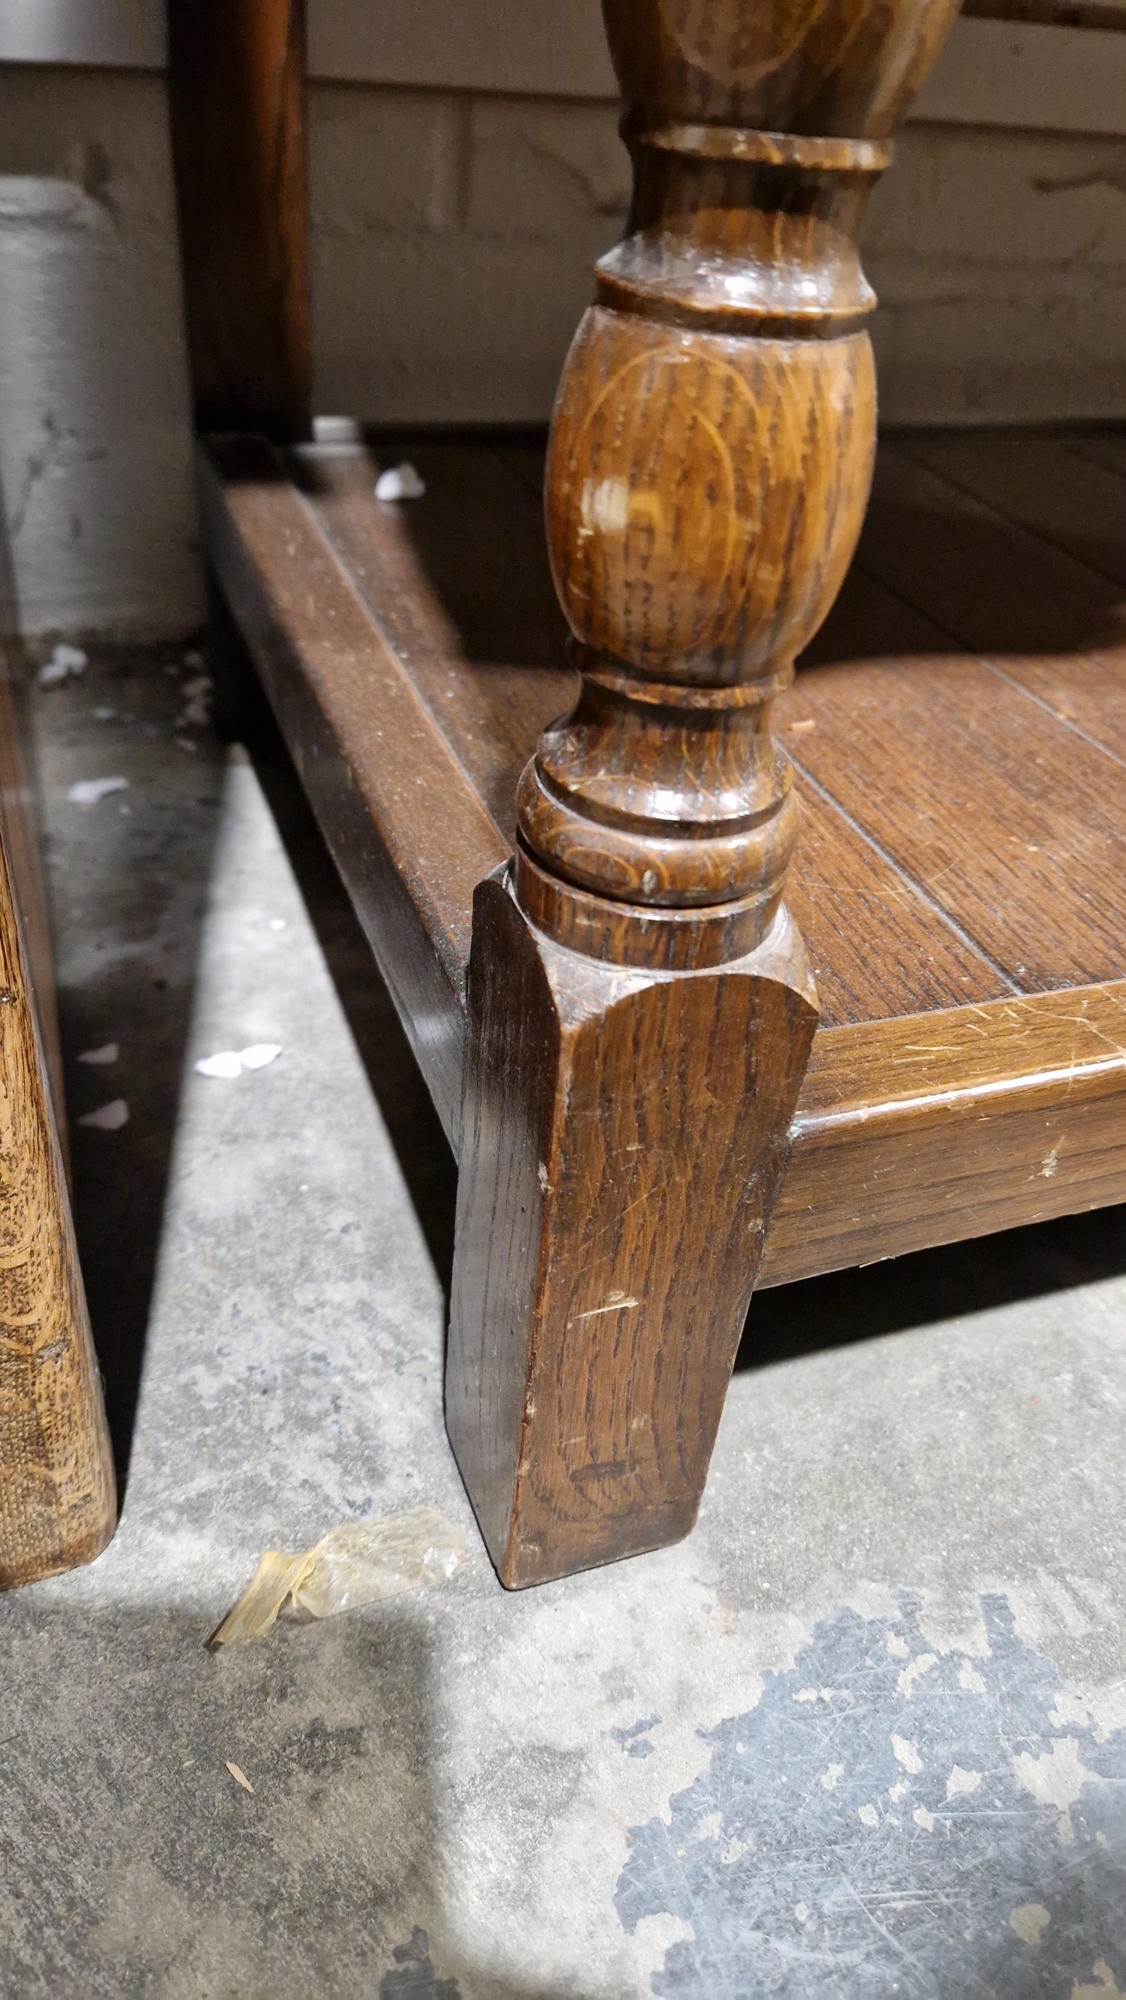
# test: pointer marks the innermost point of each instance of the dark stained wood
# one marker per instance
(1006, 584)
(407, 831)
(1104, 446)
(878, 949)
(236, 85)
(458, 582)
(57, 1501)
(995, 587)
(793, 68)
(1038, 479)
(594, 1323)
(708, 467)
(926, 1130)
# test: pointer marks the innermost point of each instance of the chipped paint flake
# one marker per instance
(1029, 1921)
(907, 1755)
(921, 1884)
(1068, 1709)
(1105, 1987)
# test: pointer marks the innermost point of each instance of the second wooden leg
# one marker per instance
(623, 1142)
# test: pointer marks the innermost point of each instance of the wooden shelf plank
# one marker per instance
(1038, 480)
(1009, 821)
(459, 584)
(993, 585)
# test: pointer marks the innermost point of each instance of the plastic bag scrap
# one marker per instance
(355, 1564)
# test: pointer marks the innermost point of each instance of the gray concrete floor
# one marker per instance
(863, 1734)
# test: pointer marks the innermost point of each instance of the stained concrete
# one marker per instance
(864, 1733)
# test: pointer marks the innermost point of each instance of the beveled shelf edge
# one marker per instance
(1021, 1042)
(405, 828)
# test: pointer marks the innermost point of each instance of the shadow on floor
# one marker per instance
(413, 1125)
(127, 883)
(953, 1280)
(321, 1879)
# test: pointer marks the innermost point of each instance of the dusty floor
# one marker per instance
(863, 1734)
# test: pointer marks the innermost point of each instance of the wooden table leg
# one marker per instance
(641, 1009)
(57, 1505)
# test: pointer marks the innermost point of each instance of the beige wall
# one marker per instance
(454, 231)
(454, 236)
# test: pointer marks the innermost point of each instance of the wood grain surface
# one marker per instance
(408, 833)
(708, 468)
(236, 92)
(57, 1500)
(801, 66)
(594, 1323)
(1012, 824)
(460, 585)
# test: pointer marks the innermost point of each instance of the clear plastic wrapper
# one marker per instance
(357, 1563)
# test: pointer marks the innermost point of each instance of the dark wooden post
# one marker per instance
(57, 1498)
(641, 1008)
(236, 79)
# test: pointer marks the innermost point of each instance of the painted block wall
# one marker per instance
(454, 230)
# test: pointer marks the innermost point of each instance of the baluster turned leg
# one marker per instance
(641, 1008)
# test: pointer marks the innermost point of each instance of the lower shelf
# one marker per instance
(961, 881)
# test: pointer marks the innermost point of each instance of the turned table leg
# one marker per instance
(57, 1501)
(641, 1010)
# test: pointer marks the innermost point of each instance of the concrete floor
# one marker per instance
(863, 1734)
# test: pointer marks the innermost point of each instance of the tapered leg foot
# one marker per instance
(624, 1138)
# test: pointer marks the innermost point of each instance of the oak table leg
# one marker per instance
(57, 1502)
(641, 1011)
